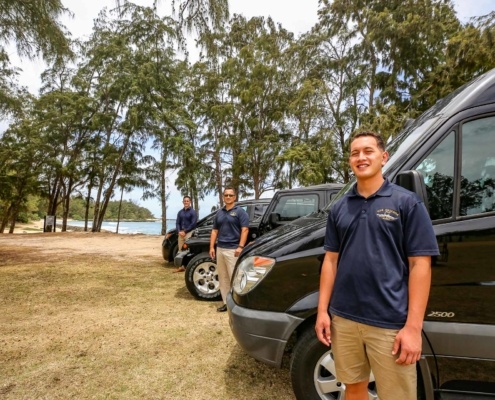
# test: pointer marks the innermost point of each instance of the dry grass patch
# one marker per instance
(102, 316)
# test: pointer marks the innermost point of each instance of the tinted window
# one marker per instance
(478, 167)
(259, 210)
(293, 207)
(438, 172)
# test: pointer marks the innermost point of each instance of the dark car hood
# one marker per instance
(287, 234)
(205, 231)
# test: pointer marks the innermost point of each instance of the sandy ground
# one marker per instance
(102, 316)
(32, 227)
(103, 243)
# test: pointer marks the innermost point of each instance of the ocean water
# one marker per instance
(147, 228)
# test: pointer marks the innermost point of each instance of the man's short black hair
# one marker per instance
(379, 140)
(229, 188)
(187, 197)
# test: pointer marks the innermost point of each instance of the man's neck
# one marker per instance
(229, 206)
(367, 187)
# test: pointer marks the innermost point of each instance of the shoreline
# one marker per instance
(37, 227)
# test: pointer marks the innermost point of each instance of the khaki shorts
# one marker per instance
(359, 349)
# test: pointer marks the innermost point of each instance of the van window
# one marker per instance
(438, 171)
(292, 207)
(478, 167)
(259, 210)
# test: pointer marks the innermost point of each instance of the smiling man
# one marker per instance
(230, 233)
(375, 278)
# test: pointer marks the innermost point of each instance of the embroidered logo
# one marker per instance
(233, 213)
(387, 214)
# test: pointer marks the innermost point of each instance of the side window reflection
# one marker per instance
(478, 167)
(438, 172)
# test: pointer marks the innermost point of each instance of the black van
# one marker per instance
(272, 306)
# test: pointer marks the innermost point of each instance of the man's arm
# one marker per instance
(408, 340)
(178, 222)
(190, 223)
(213, 240)
(242, 240)
(327, 280)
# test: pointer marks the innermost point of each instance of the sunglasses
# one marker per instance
(229, 195)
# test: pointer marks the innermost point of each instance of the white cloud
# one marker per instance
(469, 8)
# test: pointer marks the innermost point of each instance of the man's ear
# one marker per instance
(384, 158)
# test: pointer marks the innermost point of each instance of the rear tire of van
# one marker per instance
(201, 278)
(173, 253)
(312, 370)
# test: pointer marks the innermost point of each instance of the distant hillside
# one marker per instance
(129, 211)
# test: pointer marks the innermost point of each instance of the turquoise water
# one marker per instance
(147, 228)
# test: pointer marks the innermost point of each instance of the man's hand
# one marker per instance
(182, 233)
(322, 328)
(212, 253)
(408, 340)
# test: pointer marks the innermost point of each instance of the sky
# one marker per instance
(297, 16)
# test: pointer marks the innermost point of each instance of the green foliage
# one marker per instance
(34, 28)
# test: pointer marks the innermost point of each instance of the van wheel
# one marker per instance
(312, 371)
(202, 278)
(173, 253)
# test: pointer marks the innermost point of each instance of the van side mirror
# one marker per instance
(274, 219)
(413, 181)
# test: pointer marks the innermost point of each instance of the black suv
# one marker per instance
(286, 206)
(274, 298)
(254, 208)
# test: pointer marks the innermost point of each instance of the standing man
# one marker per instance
(375, 279)
(231, 229)
(185, 224)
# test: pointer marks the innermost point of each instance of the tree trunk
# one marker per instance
(86, 211)
(163, 195)
(5, 219)
(109, 191)
(120, 209)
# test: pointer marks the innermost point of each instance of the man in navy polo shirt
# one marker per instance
(231, 229)
(185, 224)
(375, 279)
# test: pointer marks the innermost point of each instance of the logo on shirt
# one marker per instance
(233, 213)
(387, 214)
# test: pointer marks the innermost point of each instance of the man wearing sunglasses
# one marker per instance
(230, 233)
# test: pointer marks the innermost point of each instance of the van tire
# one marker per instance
(201, 278)
(311, 366)
(173, 253)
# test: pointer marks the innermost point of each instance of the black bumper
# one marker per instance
(261, 334)
(180, 257)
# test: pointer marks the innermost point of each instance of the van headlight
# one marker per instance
(250, 271)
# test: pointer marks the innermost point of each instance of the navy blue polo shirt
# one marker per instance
(374, 236)
(186, 220)
(229, 224)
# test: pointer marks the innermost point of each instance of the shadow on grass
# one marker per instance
(244, 374)
(183, 294)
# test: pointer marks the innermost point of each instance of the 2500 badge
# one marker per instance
(441, 314)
